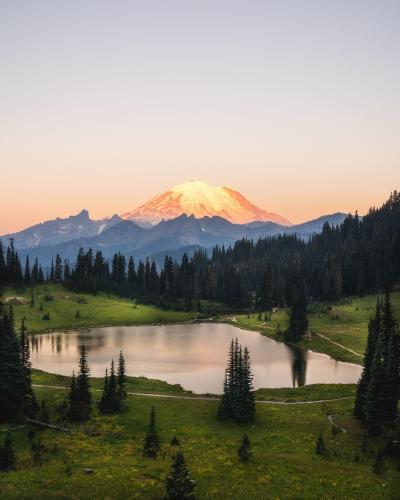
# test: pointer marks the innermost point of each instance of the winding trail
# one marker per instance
(338, 345)
(207, 398)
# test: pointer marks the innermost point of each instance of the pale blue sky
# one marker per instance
(103, 104)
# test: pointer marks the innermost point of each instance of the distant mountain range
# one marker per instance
(172, 237)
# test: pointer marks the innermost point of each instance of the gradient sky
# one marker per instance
(104, 104)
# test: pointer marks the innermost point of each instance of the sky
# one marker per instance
(103, 105)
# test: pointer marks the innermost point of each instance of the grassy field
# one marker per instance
(282, 437)
(345, 323)
(96, 310)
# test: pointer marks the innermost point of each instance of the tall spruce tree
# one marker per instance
(121, 383)
(12, 382)
(30, 402)
(374, 327)
(392, 360)
(237, 400)
(151, 445)
(179, 485)
(375, 401)
(80, 397)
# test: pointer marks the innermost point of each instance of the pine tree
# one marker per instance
(375, 400)
(392, 361)
(244, 452)
(121, 384)
(374, 327)
(12, 382)
(27, 273)
(237, 400)
(151, 445)
(83, 386)
(80, 398)
(179, 485)
(246, 408)
(30, 403)
(7, 456)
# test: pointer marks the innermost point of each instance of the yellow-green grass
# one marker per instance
(283, 441)
(98, 310)
(345, 323)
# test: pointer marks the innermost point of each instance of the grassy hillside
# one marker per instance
(96, 310)
(345, 323)
(283, 440)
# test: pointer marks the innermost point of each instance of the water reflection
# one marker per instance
(191, 355)
(299, 365)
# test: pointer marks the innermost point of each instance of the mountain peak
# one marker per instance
(200, 199)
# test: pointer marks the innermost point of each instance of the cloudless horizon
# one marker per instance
(105, 104)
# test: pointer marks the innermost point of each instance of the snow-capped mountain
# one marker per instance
(202, 200)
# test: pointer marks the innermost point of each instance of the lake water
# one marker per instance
(193, 355)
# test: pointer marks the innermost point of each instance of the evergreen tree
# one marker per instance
(27, 273)
(12, 382)
(30, 403)
(246, 408)
(392, 361)
(374, 327)
(179, 485)
(237, 400)
(244, 451)
(80, 398)
(375, 400)
(151, 445)
(7, 456)
(121, 383)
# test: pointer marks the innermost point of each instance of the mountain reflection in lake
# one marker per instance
(193, 355)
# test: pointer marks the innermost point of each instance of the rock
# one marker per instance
(88, 471)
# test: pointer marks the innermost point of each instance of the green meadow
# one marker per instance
(345, 323)
(283, 439)
(93, 310)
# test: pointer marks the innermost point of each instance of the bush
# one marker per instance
(48, 297)
(46, 317)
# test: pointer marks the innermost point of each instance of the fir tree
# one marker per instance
(83, 387)
(12, 381)
(7, 456)
(103, 403)
(121, 383)
(392, 361)
(30, 403)
(375, 400)
(79, 397)
(179, 485)
(237, 401)
(244, 452)
(362, 386)
(151, 445)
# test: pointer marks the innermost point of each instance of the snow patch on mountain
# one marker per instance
(201, 199)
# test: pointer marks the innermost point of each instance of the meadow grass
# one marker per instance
(345, 323)
(94, 310)
(283, 442)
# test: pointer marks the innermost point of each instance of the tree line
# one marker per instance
(359, 256)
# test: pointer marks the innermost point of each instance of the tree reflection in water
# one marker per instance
(299, 365)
